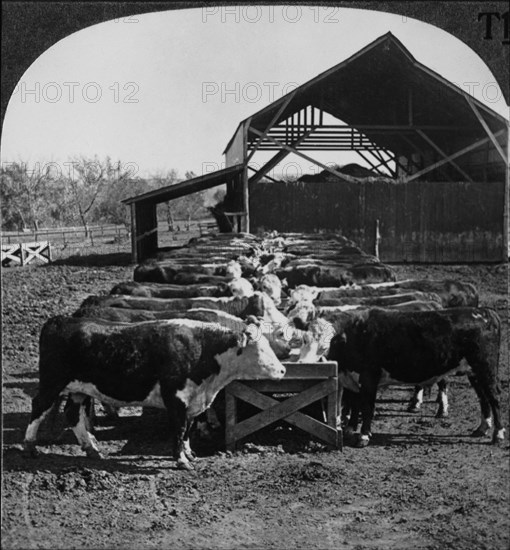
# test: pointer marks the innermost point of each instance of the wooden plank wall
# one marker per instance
(437, 222)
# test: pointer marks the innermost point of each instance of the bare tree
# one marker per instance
(23, 195)
(87, 179)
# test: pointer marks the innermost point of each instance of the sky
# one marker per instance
(167, 90)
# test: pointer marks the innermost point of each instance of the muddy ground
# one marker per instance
(422, 483)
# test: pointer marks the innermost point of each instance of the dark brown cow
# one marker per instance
(386, 346)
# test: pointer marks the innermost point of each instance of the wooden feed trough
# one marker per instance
(307, 382)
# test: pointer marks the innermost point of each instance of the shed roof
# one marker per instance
(371, 88)
(176, 190)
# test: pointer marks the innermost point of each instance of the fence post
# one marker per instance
(377, 238)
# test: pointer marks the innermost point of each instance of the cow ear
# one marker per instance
(252, 320)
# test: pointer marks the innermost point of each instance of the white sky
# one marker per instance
(162, 81)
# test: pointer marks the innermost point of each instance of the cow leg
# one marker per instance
(78, 410)
(486, 420)
(368, 395)
(416, 400)
(489, 402)
(442, 399)
(41, 408)
(180, 428)
(350, 412)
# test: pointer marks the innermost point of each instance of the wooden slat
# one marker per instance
(311, 370)
(280, 386)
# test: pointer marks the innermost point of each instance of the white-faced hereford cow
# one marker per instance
(179, 365)
(385, 346)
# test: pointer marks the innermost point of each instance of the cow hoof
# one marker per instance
(499, 437)
(181, 465)
(413, 408)
(362, 441)
(441, 414)
(94, 453)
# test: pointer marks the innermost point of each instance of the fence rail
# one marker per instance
(67, 234)
(67, 242)
(25, 253)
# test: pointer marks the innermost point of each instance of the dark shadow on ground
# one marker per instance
(122, 259)
(15, 460)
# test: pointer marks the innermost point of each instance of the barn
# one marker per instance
(437, 187)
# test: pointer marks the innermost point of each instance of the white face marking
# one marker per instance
(241, 288)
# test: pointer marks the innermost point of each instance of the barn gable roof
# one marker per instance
(372, 88)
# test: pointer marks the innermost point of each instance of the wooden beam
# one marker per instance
(266, 176)
(271, 124)
(451, 157)
(487, 130)
(270, 164)
(443, 154)
(374, 167)
(277, 158)
(306, 157)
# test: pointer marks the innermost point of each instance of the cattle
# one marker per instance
(241, 288)
(381, 301)
(335, 274)
(156, 290)
(233, 270)
(154, 272)
(177, 365)
(271, 285)
(259, 305)
(221, 318)
(417, 348)
(453, 293)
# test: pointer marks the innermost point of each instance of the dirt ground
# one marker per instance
(422, 482)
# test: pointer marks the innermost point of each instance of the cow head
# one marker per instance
(241, 288)
(272, 286)
(233, 270)
(316, 341)
(301, 314)
(303, 293)
(253, 357)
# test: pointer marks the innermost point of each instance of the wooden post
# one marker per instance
(377, 239)
(246, 201)
(134, 251)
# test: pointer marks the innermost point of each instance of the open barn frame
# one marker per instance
(406, 121)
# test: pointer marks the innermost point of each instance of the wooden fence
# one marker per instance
(68, 234)
(419, 221)
(25, 253)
